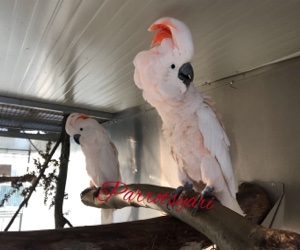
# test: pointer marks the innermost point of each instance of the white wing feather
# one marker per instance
(216, 141)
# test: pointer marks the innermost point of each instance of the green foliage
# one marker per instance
(16, 185)
(47, 181)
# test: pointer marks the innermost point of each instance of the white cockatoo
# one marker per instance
(191, 126)
(101, 155)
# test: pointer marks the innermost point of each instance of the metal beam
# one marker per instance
(33, 124)
(56, 107)
(42, 137)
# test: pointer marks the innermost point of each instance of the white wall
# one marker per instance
(262, 119)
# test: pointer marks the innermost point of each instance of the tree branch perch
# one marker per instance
(221, 225)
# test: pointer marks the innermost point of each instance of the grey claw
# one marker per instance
(177, 193)
(96, 193)
(202, 203)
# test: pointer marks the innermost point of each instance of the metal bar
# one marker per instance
(30, 125)
(42, 137)
(57, 107)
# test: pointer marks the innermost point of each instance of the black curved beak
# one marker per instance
(186, 74)
(76, 138)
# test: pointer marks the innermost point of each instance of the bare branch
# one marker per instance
(60, 220)
(25, 178)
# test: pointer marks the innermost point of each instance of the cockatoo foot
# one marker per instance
(96, 193)
(178, 192)
(203, 199)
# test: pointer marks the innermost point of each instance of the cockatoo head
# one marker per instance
(164, 72)
(85, 130)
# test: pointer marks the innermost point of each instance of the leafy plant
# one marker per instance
(47, 181)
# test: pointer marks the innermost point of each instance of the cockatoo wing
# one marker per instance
(216, 141)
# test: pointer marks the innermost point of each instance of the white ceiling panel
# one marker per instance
(80, 52)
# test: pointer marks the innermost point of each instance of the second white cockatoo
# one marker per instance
(191, 126)
(101, 155)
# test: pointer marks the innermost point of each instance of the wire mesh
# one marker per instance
(16, 120)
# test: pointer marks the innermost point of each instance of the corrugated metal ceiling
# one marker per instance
(79, 53)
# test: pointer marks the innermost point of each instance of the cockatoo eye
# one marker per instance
(81, 129)
(173, 66)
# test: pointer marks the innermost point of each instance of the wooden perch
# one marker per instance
(25, 178)
(254, 202)
(224, 227)
(159, 233)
